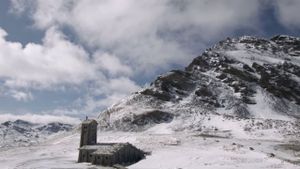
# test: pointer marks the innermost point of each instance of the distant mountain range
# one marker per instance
(24, 133)
(238, 85)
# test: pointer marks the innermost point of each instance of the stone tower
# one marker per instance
(88, 132)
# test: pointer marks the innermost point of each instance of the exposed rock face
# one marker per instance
(244, 77)
(55, 127)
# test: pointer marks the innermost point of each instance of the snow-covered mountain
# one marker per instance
(237, 86)
(24, 133)
(235, 106)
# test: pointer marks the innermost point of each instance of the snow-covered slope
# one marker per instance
(168, 151)
(240, 87)
(23, 133)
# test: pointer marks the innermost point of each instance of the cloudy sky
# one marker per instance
(76, 57)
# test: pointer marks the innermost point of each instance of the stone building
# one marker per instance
(88, 132)
(105, 154)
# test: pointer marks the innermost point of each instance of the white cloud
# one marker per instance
(111, 64)
(107, 92)
(150, 35)
(18, 6)
(122, 85)
(288, 13)
(34, 118)
(22, 96)
(56, 61)
(113, 86)
(111, 91)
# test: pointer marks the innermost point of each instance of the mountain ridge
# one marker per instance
(24, 133)
(242, 78)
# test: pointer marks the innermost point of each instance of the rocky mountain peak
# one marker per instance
(244, 77)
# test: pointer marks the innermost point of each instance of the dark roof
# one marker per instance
(105, 148)
(88, 121)
(109, 149)
(90, 147)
